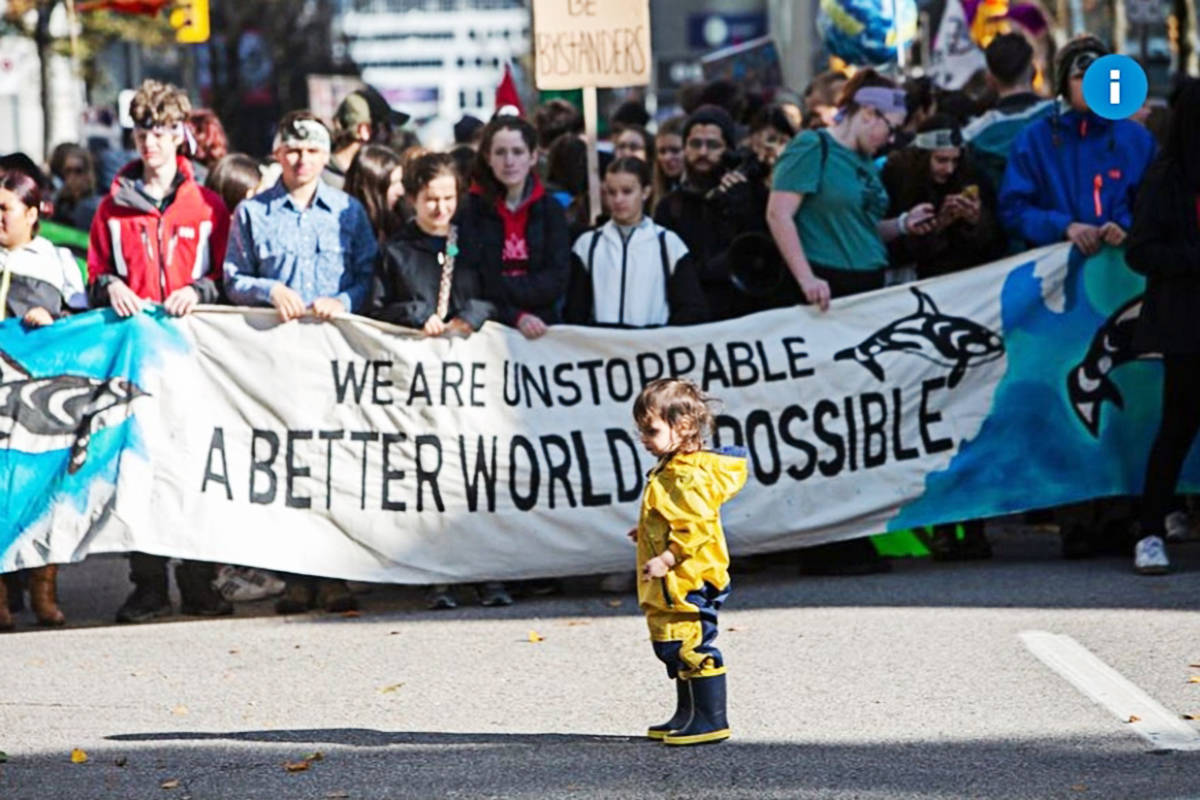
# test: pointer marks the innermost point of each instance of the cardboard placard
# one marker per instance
(591, 43)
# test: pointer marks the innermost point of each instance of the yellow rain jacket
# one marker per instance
(681, 510)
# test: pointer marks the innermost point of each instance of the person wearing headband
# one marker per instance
(158, 237)
(827, 204)
(307, 249)
(935, 169)
(826, 213)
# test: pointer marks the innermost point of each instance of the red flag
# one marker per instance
(506, 92)
(148, 7)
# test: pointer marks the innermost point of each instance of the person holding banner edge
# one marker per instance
(827, 202)
(303, 247)
(38, 284)
(825, 213)
(160, 237)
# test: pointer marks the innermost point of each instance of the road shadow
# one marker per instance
(358, 763)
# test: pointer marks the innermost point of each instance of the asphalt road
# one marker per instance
(915, 683)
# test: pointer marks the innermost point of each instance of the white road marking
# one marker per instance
(1087, 673)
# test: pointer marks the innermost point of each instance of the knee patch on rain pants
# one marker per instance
(684, 639)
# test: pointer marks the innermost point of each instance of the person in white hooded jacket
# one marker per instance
(631, 272)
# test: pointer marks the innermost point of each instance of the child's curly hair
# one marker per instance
(679, 403)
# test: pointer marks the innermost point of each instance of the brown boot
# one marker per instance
(43, 591)
(6, 621)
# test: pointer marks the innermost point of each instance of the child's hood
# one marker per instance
(722, 473)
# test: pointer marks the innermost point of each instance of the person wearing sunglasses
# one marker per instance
(699, 212)
(827, 204)
(1073, 175)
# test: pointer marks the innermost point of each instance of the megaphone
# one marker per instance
(755, 266)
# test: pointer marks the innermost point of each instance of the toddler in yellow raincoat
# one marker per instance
(682, 558)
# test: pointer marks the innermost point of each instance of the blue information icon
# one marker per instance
(1114, 86)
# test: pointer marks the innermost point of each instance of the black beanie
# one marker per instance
(712, 115)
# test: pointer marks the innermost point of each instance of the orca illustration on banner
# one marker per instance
(40, 415)
(1088, 384)
(954, 342)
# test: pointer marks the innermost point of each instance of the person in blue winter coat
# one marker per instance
(1073, 175)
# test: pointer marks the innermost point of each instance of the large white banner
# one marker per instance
(360, 450)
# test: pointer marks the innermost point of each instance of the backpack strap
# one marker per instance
(592, 248)
(666, 259)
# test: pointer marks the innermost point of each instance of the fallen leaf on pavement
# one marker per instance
(317, 756)
(1134, 718)
(1191, 716)
(337, 795)
(614, 603)
(295, 766)
(351, 614)
(233, 652)
(171, 784)
(575, 622)
(78, 756)
(180, 710)
(1194, 666)
(536, 637)
(1194, 679)
(392, 688)
(120, 761)
(1078, 787)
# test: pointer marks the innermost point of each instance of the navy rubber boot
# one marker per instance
(708, 722)
(683, 712)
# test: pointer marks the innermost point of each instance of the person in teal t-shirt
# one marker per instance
(827, 201)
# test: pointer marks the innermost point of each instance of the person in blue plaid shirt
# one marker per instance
(304, 248)
(301, 246)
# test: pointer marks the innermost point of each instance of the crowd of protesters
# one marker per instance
(733, 206)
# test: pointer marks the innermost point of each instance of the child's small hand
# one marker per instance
(658, 566)
(654, 568)
(632, 534)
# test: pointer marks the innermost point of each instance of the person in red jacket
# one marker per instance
(160, 237)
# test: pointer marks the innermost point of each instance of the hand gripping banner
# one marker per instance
(359, 450)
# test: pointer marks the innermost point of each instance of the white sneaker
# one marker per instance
(1179, 528)
(246, 584)
(1150, 556)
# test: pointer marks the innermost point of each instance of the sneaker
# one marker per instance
(618, 582)
(245, 584)
(440, 597)
(143, 605)
(1179, 528)
(493, 593)
(1150, 556)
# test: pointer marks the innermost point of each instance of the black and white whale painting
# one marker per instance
(955, 342)
(41, 415)
(1088, 384)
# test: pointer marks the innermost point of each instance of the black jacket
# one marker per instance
(409, 276)
(708, 225)
(541, 289)
(1164, 245)
(957, 246)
